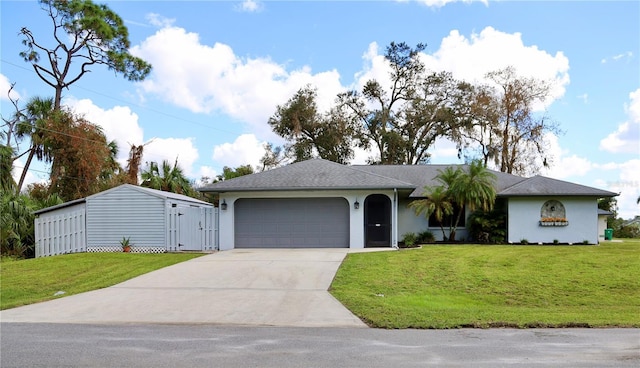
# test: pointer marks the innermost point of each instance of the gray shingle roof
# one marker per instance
(314, 174)
(603, 212)
(424, 175)
(543, 186)
(319, 174)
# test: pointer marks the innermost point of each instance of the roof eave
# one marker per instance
(58, 206)
(599, 195)
(301, 189)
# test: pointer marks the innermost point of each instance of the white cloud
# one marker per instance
(625, 55)
(472, 58)
(170, 149)
(441, 3)
(205, 172)
(118, 123)
(205, 78)
(246, 149)
(563, 165)
(584, 97)
(121, 124)
(250, 6)
(35, 174)
(444, 151)
(627, 183)
(159, 21)
(626, 138)
(4, 89)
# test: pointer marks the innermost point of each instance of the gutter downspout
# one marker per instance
(395, 219)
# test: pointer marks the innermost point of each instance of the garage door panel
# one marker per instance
(292, 223)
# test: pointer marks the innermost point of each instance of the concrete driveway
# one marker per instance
(272, 287)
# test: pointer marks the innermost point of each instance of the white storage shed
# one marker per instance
(154, 221)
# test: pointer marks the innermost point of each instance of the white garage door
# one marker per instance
(292, 223)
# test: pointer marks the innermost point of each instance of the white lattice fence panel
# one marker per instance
(112, 249)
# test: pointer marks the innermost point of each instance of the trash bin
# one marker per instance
(608, 234)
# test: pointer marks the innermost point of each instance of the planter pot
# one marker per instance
(126, 249)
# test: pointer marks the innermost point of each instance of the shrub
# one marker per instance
(409, 239)
(556, 241)
(426, 237)
(524, 241)
(488, 227)
(627, 232)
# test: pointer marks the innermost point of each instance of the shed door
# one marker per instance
(190, 228)
(292, 223)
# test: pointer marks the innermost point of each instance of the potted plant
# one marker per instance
(126, 245)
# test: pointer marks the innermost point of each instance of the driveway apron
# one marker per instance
(271, 287)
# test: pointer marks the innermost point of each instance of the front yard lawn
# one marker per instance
(35, 280)
(453, 286)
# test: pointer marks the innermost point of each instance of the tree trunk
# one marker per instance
(24, 170)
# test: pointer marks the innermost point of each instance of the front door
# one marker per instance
(377, 220)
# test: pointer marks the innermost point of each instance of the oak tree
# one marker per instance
(507, 128)
(312, 133)
(403, 120)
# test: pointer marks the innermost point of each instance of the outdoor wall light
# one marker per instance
(223, 205)
(356, 204)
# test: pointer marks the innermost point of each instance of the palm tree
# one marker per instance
(16, 224)
(168, 178)
(436, 202)
(6, 166)
(474, 189)
(33, 125)
(448, 177)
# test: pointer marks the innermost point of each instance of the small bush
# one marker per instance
(426, 237)
(409, 239)
(556, 241)
(524, 241)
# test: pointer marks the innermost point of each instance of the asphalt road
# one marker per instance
(75, 345)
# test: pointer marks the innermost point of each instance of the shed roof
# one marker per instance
(153, 192)
(319, 174)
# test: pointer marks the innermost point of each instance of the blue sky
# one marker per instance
(221, 67)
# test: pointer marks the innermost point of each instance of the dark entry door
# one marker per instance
(377, 219)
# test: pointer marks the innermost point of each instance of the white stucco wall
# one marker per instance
(524, 221)
(602, 225)
(356, 219)
(408, 222)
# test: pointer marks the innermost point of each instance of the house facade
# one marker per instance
(318, 203)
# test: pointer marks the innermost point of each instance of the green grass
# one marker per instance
(34, 280)
(494, 286)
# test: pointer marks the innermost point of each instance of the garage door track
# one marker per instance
(272, 287)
